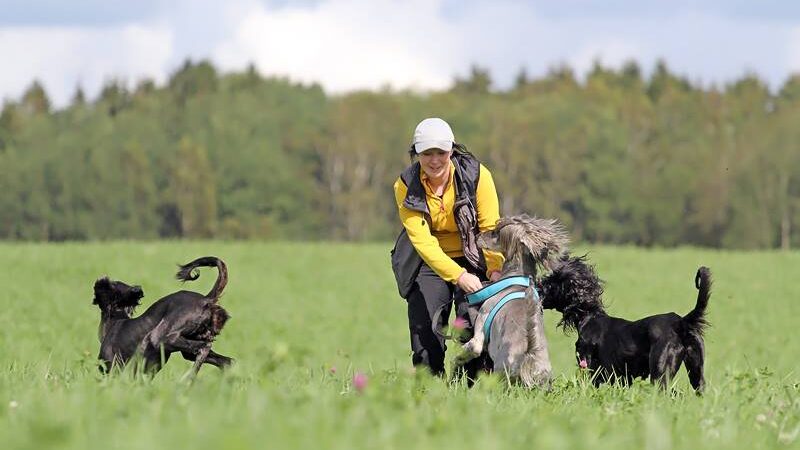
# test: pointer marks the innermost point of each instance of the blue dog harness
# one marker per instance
(480, 296)
(515, 288)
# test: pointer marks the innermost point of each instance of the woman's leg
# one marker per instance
(429, 294)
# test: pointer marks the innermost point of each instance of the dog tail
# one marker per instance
(696, 322)
(187, 272)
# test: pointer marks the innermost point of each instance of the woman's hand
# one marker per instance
(468, 282)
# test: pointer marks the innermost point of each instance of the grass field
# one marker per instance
(306, 317)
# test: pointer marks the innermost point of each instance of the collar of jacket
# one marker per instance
(465, 183)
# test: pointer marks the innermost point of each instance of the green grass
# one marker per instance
(299, 310)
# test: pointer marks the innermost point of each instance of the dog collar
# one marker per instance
(480, 296)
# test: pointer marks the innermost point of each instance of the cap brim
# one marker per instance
(426, 145)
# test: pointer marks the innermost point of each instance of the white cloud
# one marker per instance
(793, 52)
(63, 57)
(366, 44)
(346, 44)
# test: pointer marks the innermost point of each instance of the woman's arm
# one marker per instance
(426, 244)
(488, 214)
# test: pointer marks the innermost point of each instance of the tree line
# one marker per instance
(618, 157)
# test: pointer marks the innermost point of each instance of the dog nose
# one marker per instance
(137, 290)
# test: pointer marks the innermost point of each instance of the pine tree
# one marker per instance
(35, 100)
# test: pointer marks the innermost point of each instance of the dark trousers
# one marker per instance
(429, 294)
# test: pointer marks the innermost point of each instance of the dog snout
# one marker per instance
(137, 290)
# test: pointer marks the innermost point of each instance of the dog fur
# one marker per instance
(613, 348)
(184, 321)
(517, 343)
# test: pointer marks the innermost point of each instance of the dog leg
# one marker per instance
(201, 358)
(198, 361)
(665, 359)
(218, 360)
(213, 358)
(474, 347)
(537, 355)
(468, 353)
(152, 348)
(154, 337)
(176, 342)
(695, 358)
(509, 349)
(509, 362)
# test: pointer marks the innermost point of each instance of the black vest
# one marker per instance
(405, 259)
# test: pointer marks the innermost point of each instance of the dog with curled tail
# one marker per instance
(516, 341)
(184, 321)
(612, 348)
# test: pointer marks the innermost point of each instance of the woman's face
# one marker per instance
(435, 162)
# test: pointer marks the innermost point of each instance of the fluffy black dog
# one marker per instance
(184, 321)
(611, 347)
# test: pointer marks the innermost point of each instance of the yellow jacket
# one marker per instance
(439, 242)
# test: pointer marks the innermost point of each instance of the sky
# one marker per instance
(346, 45)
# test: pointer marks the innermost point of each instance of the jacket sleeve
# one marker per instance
(426, 244)
(488, 214)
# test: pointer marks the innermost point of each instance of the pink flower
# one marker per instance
(333, 370)
(359, 381)
(459, 323)
(583, 364)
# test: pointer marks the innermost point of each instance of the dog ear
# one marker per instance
(102, 283)
(101, 287)
(489, 240)
(545, 239)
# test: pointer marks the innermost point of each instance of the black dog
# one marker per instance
(611, 347)
(185, 322)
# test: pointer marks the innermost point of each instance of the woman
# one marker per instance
(444, 198)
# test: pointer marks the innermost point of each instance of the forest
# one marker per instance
(619, 157)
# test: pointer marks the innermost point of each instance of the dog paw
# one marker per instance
(471, 348)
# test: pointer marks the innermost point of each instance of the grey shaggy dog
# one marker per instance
(517, 344)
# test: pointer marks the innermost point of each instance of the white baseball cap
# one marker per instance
(433, 132)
